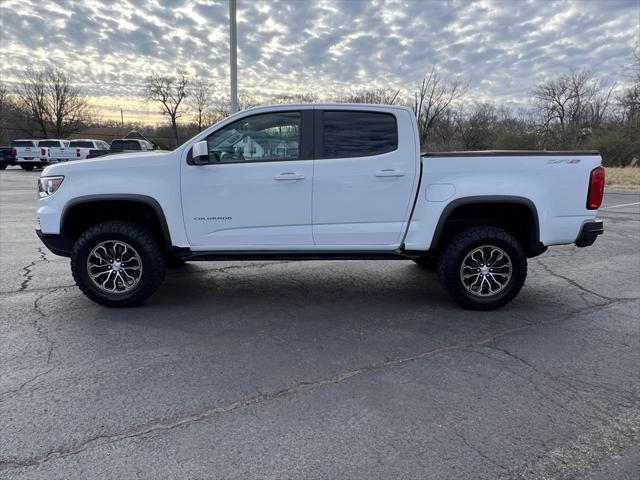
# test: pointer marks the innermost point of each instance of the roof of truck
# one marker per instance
(326, 106)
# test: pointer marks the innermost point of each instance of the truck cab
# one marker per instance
(316, 182)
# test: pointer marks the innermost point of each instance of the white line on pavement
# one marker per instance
(621, 205)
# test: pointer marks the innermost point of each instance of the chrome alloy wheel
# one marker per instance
(114, 266)
(486, 271)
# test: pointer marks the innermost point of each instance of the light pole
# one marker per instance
(233, 55)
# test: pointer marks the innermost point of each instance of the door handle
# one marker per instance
(390, 172)
(289, 176)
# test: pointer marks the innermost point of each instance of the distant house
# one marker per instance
(266, 146)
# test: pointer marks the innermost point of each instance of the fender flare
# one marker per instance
(478, 199)
(130, 197)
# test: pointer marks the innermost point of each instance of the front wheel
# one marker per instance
(483, 268)
(118, 264)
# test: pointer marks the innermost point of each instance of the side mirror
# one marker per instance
(200, 153)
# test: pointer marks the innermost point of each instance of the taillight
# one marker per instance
(14, 152)
(77, 152)
(43, 152)
(596, 188)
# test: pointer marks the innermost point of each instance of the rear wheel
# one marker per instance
(483, 268)
(3, 166)
(118, 264)
(28, 168)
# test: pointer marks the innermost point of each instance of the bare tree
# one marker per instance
(222, 105)
(8, 113)
(294, 98)
(575, 103)
(478, 128)
(382, 96)
(433, 98)
(629, 99)
(201, 101)
(32, 93)
(169, 92)
(68, 109)
(51, 102)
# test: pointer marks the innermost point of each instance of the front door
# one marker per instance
(255, 194)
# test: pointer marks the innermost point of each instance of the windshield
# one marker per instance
(48, 143)
(80, 144)
(23, 143)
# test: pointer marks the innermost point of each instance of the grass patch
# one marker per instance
(627, 178)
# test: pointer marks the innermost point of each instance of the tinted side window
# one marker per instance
(263, 137)
(358, 134)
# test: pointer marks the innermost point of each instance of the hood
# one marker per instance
(109, 161)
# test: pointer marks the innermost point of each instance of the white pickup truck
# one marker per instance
(310, 182)
(80, 148)
(54, 150)
(27, 154)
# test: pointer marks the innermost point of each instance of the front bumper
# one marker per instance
(589, 232)
(58, 244)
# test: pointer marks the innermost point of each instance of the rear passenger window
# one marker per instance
(358, 134)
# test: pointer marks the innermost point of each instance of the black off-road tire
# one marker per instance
(463, 243)
(28, 168)
(144, 242)
(427, 262)
(3, 166)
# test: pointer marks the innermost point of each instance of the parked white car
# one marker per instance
(318, 182)
(27, 154)
(53, 150)
(80, 148)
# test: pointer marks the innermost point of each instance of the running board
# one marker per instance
(300, 255)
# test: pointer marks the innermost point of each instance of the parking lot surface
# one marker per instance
(355, 370)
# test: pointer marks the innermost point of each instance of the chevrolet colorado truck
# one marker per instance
(312, 182)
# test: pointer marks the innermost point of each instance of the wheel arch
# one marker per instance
(102, 201)
(491, 204)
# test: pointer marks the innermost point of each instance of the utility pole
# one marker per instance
(233, 55)
(121, 119)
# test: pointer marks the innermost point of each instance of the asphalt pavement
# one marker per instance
(320, 370)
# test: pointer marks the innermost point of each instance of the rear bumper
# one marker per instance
(57, 244)
(589, 232)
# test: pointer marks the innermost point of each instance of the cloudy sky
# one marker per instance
(329, 48)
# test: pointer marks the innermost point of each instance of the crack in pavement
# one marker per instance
(162, 425)
(50, 346)
(480, 453)
(576, 284)
(27, 271)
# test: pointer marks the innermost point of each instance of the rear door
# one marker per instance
(365, 177)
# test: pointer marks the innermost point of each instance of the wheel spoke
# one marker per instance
(485, 270)
(114, 266)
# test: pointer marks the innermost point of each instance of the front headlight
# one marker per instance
(49, 185)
